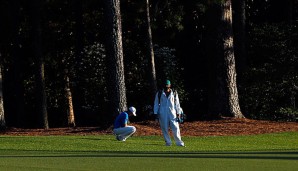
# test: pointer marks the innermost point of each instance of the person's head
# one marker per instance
(168, 84)
(132, 110)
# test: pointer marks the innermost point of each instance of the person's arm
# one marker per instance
(156, 107)
(125, 120)
(177, 104)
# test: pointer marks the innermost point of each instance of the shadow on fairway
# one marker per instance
(288, 155)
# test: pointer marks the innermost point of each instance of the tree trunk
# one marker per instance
(116, 82)
(223, 93)
(36, 7)
(229, 61)
(68, 97)
(150, 52)
(2, 118)
(78, 93)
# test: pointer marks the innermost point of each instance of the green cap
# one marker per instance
(168, 82)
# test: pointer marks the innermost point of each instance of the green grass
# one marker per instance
(258, 152)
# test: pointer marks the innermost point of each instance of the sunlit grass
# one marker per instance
(277, 151)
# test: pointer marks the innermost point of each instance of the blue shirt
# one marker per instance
(121, 120)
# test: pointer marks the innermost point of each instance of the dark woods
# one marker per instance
(78, 63)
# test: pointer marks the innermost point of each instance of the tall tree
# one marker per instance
(114, 50)
(76, 68)
(150, 52)
(35, 15)
(229, 61)
(68, 96)
(2, 118)
(223, 93)
(79, 48)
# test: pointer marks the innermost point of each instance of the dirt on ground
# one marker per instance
(222, 127)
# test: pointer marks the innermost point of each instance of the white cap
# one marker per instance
(133, 110)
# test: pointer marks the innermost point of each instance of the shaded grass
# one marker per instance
(258, 152)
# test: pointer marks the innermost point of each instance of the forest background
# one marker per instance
(55, 60)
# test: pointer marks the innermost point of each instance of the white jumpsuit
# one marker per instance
(168, 109)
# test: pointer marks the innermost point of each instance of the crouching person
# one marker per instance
(121, 129)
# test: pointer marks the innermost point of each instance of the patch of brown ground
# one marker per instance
(197, 128)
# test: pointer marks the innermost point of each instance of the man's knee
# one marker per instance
(132, 129)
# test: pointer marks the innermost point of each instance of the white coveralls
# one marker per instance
(168, 109)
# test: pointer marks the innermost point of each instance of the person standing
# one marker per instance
(167, 110)
(121, 129)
